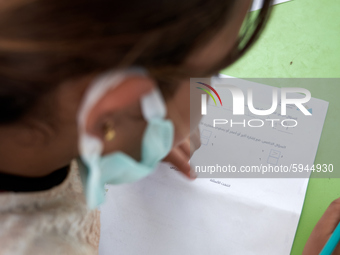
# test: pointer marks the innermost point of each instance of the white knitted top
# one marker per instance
(51, 222)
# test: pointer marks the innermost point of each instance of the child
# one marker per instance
(106, 83)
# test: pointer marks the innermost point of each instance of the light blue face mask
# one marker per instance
(117, 167)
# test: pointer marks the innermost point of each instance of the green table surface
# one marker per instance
(306, 33)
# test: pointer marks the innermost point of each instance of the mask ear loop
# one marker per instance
(96, 91)
(153, 105)
(91, 147)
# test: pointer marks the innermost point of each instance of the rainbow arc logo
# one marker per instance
(207, 91)
(204, 97)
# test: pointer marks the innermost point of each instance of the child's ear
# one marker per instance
(128, 92)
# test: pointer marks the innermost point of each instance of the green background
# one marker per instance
(307, 33)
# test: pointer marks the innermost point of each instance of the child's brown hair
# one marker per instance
(45, 42)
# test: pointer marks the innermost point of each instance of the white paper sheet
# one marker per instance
(166, 214)
(258, 3)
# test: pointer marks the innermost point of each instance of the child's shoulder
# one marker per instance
(49, 222)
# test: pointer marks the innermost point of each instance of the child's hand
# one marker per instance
(180, 155)
(323, 230)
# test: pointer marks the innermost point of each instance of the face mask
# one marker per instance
(117, 167)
